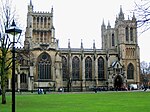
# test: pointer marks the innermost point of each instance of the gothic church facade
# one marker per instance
(44, 65)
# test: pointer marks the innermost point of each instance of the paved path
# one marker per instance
(90, 92)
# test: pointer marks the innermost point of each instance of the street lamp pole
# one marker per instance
(13, 74)
(14, 31)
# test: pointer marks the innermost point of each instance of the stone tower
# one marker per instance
(122, 42)
(127, 46)
(45, 61)
(40, 30)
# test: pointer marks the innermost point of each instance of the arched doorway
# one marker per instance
(118, 82)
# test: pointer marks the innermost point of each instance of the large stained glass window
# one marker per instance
(130, 71)
(23, 78)
(44, 67)
(64, 68)
(131, 34)
(88, 68)
(75, 68)
(100, 68)
(113, 40)
(127, 34)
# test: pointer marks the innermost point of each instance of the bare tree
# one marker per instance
(145, 68)
(6, 17)
(142, 13)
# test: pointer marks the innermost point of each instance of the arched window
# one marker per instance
(64, 68)
(75, 68)
(23, 78)
(44, 67)
(41, 19)
(37, 22)
(127, 34)
(113, 41)
(37, 19)
(131, 34)
(100, 68)
(49, 22)
(130, 71)
(88, 68)
(45, 22)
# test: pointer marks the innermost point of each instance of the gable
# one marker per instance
(116, 64)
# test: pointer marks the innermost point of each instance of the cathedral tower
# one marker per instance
(121, 41)
(40, 32)
(127, 46)
(43, 48)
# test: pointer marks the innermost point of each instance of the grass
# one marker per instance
(87, 102)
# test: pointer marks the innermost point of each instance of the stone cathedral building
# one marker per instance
(44, 65)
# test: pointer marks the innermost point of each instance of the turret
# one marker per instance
(121, 14)
(81, 44)
(30, 7)
(94, 45)
(103, 29)
(108, 26)
(69, 43)
(133, 18)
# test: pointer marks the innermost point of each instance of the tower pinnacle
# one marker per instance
(121, 14)
(30, 2)
(30, 7)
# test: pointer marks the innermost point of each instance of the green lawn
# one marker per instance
(83, 102)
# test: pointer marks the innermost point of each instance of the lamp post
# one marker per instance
(13, 30)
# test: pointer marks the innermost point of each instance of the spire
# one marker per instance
(121, 14)
(133, 18)
(30, 7)
(94, 44)
(108, 27)
(52, 11)
(68, 43)
(103, 25)
(81, 44)
(30, 2)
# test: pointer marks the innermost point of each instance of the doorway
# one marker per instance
(118, 82)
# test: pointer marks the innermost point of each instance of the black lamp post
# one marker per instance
(13, 30)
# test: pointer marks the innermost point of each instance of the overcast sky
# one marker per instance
(82, 19)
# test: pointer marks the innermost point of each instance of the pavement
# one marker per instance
(90, 92)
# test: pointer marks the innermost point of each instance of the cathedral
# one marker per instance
(43, 64)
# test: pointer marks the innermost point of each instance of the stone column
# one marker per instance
(39, 37)
(83, 75)
(29, 84)
(70, 66)
(18, 81)
(96, 72)
(30, 79)
(9, 83)
(35, 22)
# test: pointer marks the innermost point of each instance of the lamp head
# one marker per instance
(13, 29)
